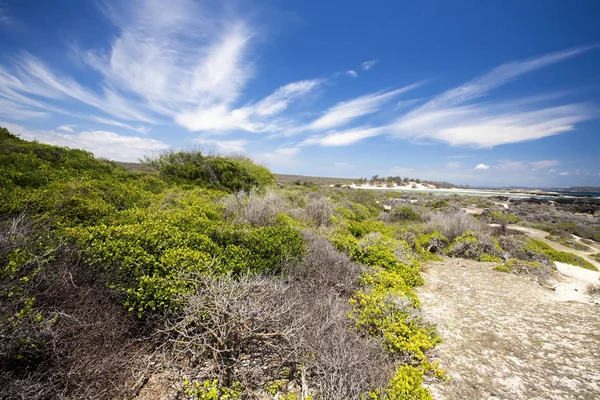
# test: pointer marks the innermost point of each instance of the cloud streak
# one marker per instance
(347, 111)
(367, 65)
(456, 118)
(223, 146)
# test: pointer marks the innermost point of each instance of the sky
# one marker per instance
(486, 93)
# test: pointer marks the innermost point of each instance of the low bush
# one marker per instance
(516, 266)
(452, 225)
(154, 250)
(404, 213)
(258, 208)
(63, 332)
(476, 246)
(431, 243)
(406, 384)
(224, 173)
(439, 204)
(320, 211)
(362, 228)
(538, 246)
(569, 242)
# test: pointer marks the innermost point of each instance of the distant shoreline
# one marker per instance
(514, 193)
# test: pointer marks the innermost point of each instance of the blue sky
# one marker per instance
(472, 92)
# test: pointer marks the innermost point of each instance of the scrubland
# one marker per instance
(200, 277)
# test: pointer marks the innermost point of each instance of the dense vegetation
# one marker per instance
(199, 270)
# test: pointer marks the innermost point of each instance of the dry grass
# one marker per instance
(320, 211)
(77, 342)
(452, 225)
(254, 207)
(255, 330)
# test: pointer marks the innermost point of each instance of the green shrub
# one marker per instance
(211, 390)
(502, 218)
(439, 204)
(157, 251)
(569, 242)
(229, 174)
(430, 243)
(404, 213)
(537, 246)
(475, 246)
(516, 266)
(384, 252)
(406, 384)
(362, 228)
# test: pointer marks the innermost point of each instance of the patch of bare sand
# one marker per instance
(507, 337)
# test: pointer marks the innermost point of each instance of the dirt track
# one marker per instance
(508, 337)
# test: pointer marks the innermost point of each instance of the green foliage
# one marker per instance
(502, 218)
(70, 185)
(475, 246)
(439, 204)
(587, 231)
(406, 384)
(229, 174)
(596, 257)
(516, 266)
(489, 258)
(157, 250)
(357, 212)
(537, 246)
(426, 244)
(382, 251)
(405, 213)
(362, 228)
(569, 242)
(388, 308)
(211, 390)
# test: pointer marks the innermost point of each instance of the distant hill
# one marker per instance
(593, 189)
(317, 180)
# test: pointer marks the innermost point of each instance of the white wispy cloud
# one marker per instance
(367, 65)
(283, 156)
(66, 128)
(545, 163)
(346, 111)
(101, 143)
(5, 17)
(31, 78)
(482, 166)
(180, 60)
(352, 73)
(343, 138)
(456, 118)
(251, 118)
(510, 165)
(141, 129)
(223, 146)
(454, 164)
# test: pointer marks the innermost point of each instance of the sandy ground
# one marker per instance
(508, 337)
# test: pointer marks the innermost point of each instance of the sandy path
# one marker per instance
(507, 337)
